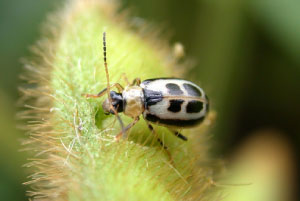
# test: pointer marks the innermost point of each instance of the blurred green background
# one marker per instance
(247, 58)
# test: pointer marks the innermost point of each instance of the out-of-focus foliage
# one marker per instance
(19, 27)
(11, 174)
(266, 173)
(247, 57)
(282, 22)
(20, 23)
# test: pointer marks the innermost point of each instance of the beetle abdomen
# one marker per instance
(174, 102)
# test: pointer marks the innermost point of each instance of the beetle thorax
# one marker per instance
(133, 97)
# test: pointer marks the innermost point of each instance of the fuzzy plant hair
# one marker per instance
(75, 154)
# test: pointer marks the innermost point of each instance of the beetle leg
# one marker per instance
(136, 81)
(160, 141)
(119, 87)
(179, 135)
(155, 134)
(101, 93)
(125, 78)
(124, 131)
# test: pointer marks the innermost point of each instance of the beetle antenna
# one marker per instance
(106, 69)
(108, 84)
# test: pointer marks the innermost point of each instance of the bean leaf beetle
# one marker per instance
(170, 102)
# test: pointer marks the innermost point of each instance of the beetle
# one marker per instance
(170, 102)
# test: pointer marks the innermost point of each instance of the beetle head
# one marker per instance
(116, 102)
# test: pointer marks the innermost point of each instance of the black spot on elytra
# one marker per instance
(173, 122)
(152, 97)
(175, 105)
(147, 81)
(194, 106)
(192, 90)
(174, 89)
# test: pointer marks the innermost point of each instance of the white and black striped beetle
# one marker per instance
(170, 102)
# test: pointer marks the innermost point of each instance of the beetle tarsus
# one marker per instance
(179, 135)
(126, 129)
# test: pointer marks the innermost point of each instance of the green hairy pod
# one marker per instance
(76, 156)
